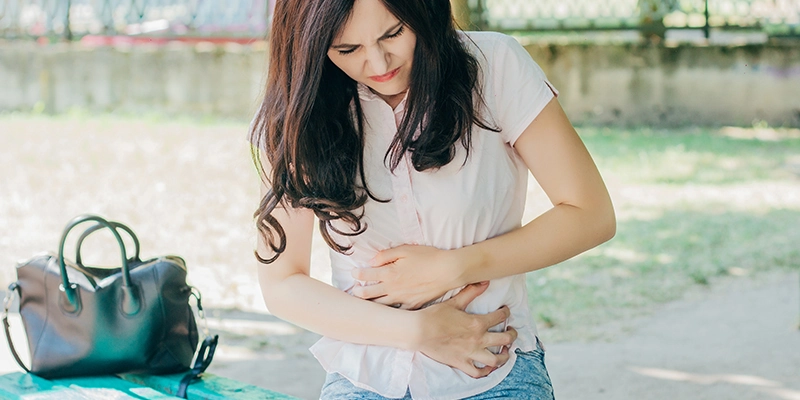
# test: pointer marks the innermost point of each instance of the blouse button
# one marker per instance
(404, 198)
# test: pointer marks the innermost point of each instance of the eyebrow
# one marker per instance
(385, 35)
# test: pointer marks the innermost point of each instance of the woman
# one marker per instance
(410, 142)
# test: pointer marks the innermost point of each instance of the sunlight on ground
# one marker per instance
(704, 379)
(764, 385)
(753, 197)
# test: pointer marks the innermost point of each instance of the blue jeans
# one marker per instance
(528, 380)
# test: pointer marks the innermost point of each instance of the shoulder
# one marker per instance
(500, 56)
(515, 88)
(489, 45)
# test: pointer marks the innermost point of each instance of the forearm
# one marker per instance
(557, 235)
(323, 309)
(582, 218)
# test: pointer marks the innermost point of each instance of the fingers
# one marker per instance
(369, 291)
(469, 293)
(498, 339)
(386, 256)
(513, 333)
(496, 317)
(376, 294)
(492, 360)
(385, 300)
(391, 302)
(475, 372)
(367, 274)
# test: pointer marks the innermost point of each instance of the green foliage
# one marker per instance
(692, 156)
(694, 207)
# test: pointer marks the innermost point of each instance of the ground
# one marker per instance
(696, 297)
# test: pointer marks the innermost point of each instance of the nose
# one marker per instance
(377, 60)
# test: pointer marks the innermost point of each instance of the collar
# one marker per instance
(366, 94)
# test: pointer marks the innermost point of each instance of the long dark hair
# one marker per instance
(310, 124)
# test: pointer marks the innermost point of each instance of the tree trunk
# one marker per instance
(461, 13)
(651, 17)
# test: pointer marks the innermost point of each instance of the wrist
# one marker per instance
(414, 326)
(470, 261)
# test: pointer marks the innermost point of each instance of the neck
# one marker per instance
(393, 100)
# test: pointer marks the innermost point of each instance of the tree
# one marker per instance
(463, 14)
(651, 16)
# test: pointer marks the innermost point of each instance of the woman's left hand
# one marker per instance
(409, 276)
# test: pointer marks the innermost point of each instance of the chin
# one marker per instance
(387, 90)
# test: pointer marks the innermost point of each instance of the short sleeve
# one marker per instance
(519, 88)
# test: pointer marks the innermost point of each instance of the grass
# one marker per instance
(692, 156)
(695, 207)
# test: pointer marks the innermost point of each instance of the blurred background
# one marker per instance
(138, 110)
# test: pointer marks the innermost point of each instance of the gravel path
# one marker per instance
(737, 342)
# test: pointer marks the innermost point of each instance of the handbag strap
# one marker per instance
(204, 356)
(14, 287)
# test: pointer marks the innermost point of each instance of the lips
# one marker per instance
(385, 77)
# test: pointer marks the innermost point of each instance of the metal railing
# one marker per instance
(776, 16)
(250, 18)
(75, 18)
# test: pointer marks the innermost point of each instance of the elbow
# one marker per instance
(271, 301)
(273, 291)
(608, 225)
(610, 230)
(276, 301)
(601, 222)
(279, 305)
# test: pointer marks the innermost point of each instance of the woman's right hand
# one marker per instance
(456, 338)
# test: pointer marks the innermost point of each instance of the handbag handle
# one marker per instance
(130, 304)
(96, 228)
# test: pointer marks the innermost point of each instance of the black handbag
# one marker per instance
(83, 321)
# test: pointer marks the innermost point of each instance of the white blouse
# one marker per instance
(448, 208)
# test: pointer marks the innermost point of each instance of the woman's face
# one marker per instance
(376, 49)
